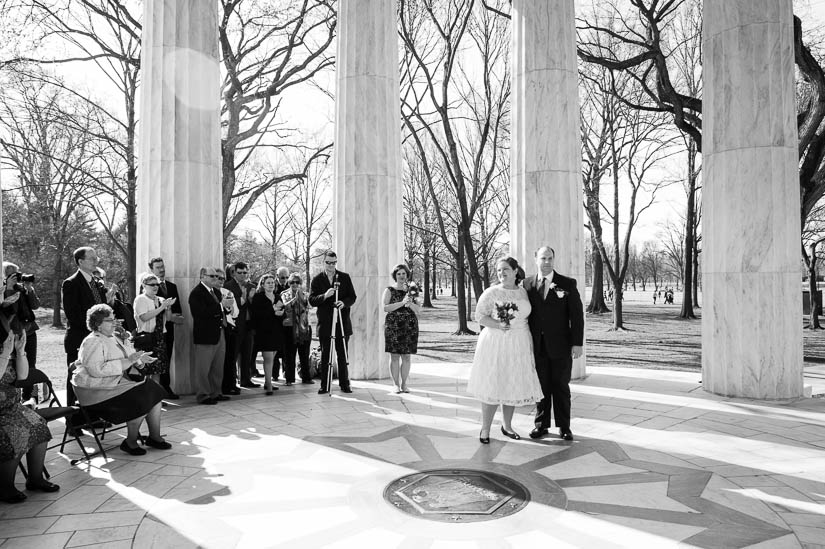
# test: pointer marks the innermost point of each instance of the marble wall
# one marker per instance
(546, 192)
(751, 278)
(367, 218)
(179, 195)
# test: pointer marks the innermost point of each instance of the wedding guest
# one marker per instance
(400, 326)
(244, 291)
(150, 316)
(267, 317)
(103, 385)
(297, 331)
(175, 316)
(557, 326)
(503, 371)
(281, 285)
(325, 288)
(22, 431)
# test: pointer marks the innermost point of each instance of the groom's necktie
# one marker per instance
(543, 288)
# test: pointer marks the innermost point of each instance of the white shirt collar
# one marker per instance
(549, 276)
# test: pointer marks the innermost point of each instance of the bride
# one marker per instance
(504, 371)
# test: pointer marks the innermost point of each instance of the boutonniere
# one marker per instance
(559, 291)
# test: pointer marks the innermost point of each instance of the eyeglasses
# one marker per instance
(240, 272)
(295, 282)
(330, 262)
(215, 276)
(107, 320)
(155, 284)
(220, 278)
(282, 277)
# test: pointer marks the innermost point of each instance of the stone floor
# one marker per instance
(656, 463)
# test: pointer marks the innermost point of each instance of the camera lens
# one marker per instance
(28, 277)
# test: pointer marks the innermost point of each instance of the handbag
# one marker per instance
(133, 374)
(144, 341)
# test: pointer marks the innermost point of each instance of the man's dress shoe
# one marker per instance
(250, 385)
(538, 432)
(566, 434)
(221, 397)
(347, 390)
(233, 391)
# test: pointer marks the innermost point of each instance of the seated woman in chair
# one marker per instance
(104, 388)
(22, 430)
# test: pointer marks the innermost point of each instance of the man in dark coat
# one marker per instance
(166, 289)
(557, 325)
(209, 309)
(243, 290)
(77, 294)
(322, 296)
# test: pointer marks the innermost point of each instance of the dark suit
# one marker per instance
(77, 298)
(346, 293)
(169, 289)
(556, 324)
(243, 332)
(208, 323)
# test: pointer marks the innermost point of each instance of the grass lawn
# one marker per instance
(654, 338)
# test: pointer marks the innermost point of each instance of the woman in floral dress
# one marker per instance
(22, 431)
(400, 326)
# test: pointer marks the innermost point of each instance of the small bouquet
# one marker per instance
(413, 292)
(505, 312)
(560, 293)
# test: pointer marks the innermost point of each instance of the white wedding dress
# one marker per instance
(504, 370)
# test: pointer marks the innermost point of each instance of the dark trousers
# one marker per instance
(169, 336)
(71, 344)
(341, 345)
(244, 342)
(230, 369)
(554, 377)
(31, 355)
(290, 350)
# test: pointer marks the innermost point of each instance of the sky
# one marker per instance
(312, 110)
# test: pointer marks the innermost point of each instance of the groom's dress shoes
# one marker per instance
(538, 432)
(566, 434)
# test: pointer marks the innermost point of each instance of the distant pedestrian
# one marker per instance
(654, 297)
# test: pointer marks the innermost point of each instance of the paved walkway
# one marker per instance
(656, 462)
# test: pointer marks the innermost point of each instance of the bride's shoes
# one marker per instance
(512, 434)
(483, 439)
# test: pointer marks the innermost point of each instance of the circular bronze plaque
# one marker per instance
(457, 495)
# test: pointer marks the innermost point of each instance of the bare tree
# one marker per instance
(267, 47)
(447, 109)
(50, 156)
(105, 33)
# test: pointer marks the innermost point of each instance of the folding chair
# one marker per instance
(52, 412)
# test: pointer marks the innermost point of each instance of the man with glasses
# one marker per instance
(322, 295)
(209, 308)
(167, 289)
(243, 290)
(281, 286)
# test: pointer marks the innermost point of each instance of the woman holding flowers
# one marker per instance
(401, 325)
(504, 370)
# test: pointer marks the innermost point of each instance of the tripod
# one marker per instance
(333, 358)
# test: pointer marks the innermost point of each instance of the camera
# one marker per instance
(27, 277)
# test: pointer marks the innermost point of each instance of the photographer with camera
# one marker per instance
(23, 286)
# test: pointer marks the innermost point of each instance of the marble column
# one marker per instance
(179, 175)
(367, 217)
(546, 192)
(751, 278)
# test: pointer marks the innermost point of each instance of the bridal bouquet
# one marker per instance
(505, 311)
(413, 291)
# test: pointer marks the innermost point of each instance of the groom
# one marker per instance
(557, 325)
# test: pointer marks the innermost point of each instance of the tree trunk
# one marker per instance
(618, 323)
(469, 299)
(695, 276)
(427, 283)
(815, 304)
(131, 235)
(687, 276)
(57, 274)
(435, 276)
(453, 282)
(463, 328)
(597, 304)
